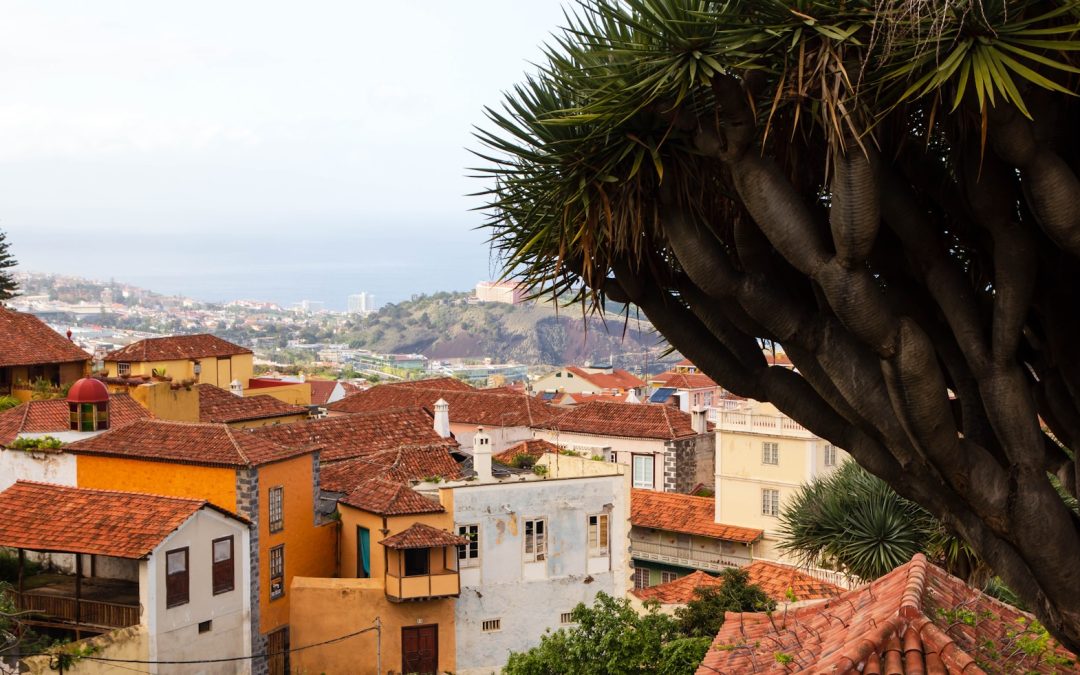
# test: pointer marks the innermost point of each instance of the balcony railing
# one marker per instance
(424, 586)
(772, 425)
(684, 556)
(61, 609)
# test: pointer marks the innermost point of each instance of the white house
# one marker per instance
(540, 544)
(166, 578)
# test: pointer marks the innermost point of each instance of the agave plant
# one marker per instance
(886, 188)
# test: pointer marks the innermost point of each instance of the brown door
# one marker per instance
(420, 649)
(277, 650)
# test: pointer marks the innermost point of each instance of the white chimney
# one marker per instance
(481, 451)
(236, 387)
(442, 418)
(699, 420)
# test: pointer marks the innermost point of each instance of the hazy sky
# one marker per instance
(129, 130)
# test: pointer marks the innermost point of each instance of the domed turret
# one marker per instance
(88, 403)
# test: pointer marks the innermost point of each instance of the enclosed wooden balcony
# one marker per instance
(421, 564)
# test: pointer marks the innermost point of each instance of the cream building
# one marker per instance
(762, 458)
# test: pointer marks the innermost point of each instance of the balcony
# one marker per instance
(104, 604)
(443, 584)
(771, 425)
(422, 564)
(684, 556)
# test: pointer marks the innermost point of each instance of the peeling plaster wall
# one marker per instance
(504, 587)
(45, 467)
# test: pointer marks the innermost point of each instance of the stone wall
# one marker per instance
(247, 505)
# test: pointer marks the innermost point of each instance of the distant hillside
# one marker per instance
(446, 325)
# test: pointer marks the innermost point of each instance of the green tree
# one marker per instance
(704, 615)
(8, 287)
(886, 188)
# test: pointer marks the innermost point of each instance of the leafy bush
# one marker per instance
(42, 443)
(9, 402)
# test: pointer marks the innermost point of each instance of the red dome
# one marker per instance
(88, 390)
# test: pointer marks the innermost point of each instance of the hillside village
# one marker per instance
(165, 503)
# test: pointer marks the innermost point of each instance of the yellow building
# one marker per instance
(203, 358)
(762, 458)
(399, 569)
(276, 488)
(31, 351)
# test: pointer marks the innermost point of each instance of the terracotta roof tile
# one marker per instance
(685, 380)
(218, 405)
(684, 513)
(187, 443)
(773, 578)
(900, 624)
(466, 406)
(45, 517)
(401, 465)
(617, 379)
(390, 498)
(534, 447)
(321, 390)
(176, 348)
(53, 416)
(680, 591)
(420, 535)
(442, 383)
(626, 420)
(350, 436)
(26, 340)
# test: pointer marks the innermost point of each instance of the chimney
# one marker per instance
(481, 451)
(442, 418)
(236, 387)
(698, 420)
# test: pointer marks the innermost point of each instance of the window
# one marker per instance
(770, 452)
(416, 562)
(770, 502)
(491, 625)
(363, 552)
(643, 471)
(666, 577)
(277, 509)
(123, 369)
(535, 540)
(641, 578)
(277, 572)
(206, 626)
(176, 577)
(830, 454)
(469, 554)
(222, 567)
(598, 535)
(566, 617)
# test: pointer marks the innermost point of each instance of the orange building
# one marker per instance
(275, 487)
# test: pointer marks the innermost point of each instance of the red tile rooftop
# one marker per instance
(186, 443)
(386, 497)
(686, 514)
(46, 517)
(54, 416)
(773, 578)
(218, 405)
(402, 464)
(467, 406)
(176, 348)
(420, 535)
(915, 620)
(685, 380)
(534, 447)
(349, 436)
(617, 379)
(26, 340)
(624, 420)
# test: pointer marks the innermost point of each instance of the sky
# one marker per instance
(231, 149)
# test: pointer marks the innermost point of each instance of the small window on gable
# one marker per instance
(177, 577)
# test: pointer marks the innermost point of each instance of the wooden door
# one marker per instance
(277, 650)
(420, 649)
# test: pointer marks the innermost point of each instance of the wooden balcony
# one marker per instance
(445, 584)
(684, 556)
(105, 604)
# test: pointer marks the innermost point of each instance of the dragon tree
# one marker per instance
(886, 188)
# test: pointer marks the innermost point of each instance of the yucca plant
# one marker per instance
(886, 188)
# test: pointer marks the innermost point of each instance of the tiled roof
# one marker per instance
(773, 578)
(218, 405)
(176, 348)
(916, 619)
(45, 517)
(534, 447)
(617, 379)
(187, 443)
(26, 340)
(53, 415)
(390, 498)
(684, 513)
(401, 465)
(626, 420)
(685, 380)
(442, 383)
(466, 406)
(420, 535)
(349, 436)
(321, 390)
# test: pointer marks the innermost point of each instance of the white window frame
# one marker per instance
(275, 508)
(123, 368)
(770, 502)
(641, 578)
(535, 540)
(599, 534)
(469, 554)
(667, 576)
(830, 454)
(770, 452)
(648, 462)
